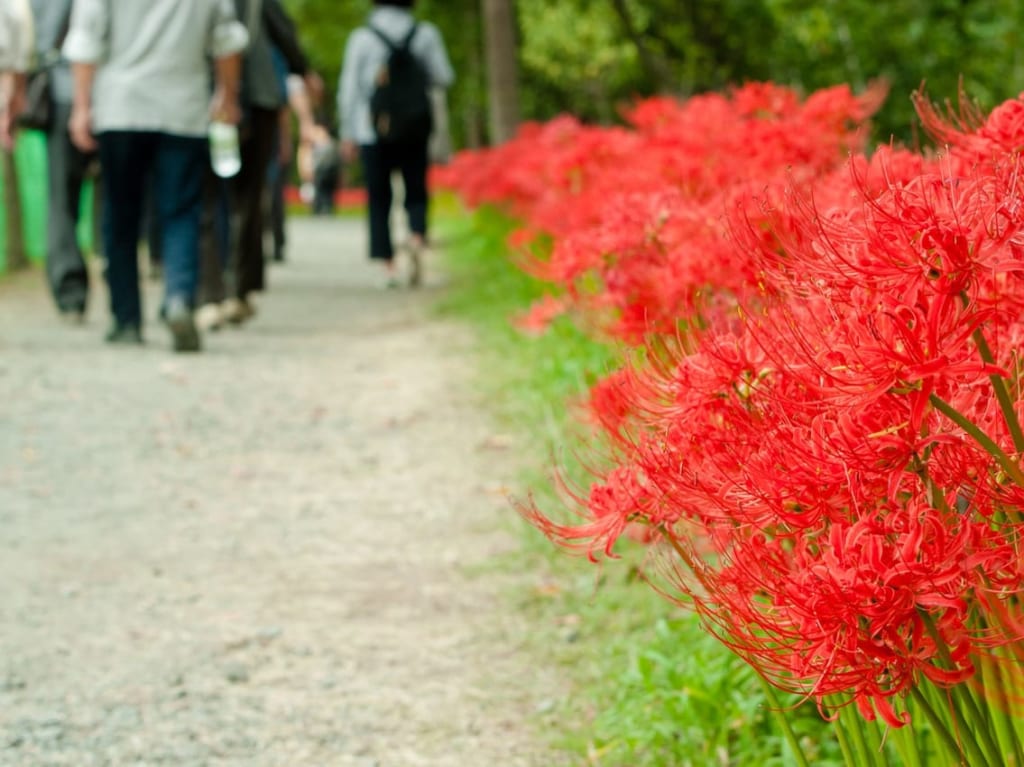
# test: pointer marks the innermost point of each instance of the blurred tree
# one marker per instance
(499, 17)
(939, 43)
(589, 56)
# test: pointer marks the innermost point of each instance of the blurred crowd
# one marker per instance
(192, 117)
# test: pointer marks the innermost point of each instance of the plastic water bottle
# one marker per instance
(224, 149)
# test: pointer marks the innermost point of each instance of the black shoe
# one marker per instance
(72, 316)
(184, 334)
(129, 334)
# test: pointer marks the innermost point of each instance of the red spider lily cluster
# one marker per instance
(823, 430)
(636, 213)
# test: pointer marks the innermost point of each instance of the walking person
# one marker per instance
(67, 168)
(398, 140)
(142, 97)
(226, 289)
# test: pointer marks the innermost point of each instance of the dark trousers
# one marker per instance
(217, 223)
(151, 225)
(177, 164)
(67, 167)
(245, 271)
(273, 210)
(379, 161)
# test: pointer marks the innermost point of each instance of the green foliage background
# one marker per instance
(588, 57)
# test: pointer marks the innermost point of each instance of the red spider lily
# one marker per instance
(838, 530)
(823, 427)
(636, 216)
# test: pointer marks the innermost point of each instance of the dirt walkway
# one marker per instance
(261, 555)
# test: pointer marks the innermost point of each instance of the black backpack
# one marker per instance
(400, 103)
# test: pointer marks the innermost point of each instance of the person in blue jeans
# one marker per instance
(141, 96)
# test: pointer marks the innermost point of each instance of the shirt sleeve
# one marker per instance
(438, 65)
(348, 87)
(88, 35)
(228, 35)
(17, 35)
(6, 36)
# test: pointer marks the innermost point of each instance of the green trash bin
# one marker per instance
(30, 160)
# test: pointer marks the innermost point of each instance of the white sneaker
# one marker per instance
(209, 317)
(237, 310)
(388, 275)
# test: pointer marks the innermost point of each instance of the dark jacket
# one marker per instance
(275, 29)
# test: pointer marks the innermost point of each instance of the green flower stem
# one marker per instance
(992, 678)
(1008, 465)
(1002, 393)
(783, 722)
(941, 729)
(964, 705)
(844, 743)
(966, 708)
(865, 755)
(911, 751)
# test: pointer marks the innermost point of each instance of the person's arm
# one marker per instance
(227, 42)
(85, 46)
(227, 72)
(12, 96)
(80, 125)
(302, 106)
(348, 93)
(16, 46)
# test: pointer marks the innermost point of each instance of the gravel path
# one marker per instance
(266, 554)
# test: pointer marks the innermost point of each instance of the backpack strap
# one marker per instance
(406, 42)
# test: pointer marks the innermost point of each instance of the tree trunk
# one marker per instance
(501, 53)
(12, 211)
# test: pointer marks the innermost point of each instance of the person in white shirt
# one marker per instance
(366, 52)
(142, 97)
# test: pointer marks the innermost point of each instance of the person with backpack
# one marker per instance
(384, 103)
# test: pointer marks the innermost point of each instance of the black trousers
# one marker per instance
(67, 168)
(379, 162)
(245, 272)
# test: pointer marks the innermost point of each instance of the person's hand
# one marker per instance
(80, 128)
(16, 104)
(12, 103)
(224, 107)
(349, 151)
(6, 128)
